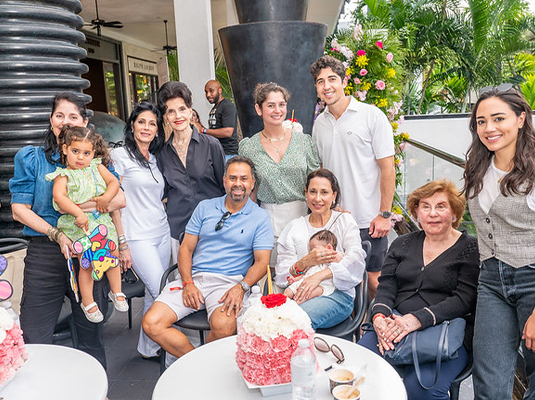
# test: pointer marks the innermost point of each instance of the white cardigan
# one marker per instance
(292, 245)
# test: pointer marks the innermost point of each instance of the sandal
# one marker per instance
(120, 305)
(94, 317)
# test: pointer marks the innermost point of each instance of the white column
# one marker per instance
(195, 47)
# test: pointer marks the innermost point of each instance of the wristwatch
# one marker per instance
(245, 286)
(385, 214)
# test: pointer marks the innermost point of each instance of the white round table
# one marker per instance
(57, 373)
(210, 372)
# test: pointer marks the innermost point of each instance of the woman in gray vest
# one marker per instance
(499, 184)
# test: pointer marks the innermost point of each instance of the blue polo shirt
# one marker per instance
(228, 251)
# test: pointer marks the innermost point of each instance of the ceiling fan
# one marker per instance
(98, 23)
(167, 48)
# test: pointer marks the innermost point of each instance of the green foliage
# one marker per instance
(172, 62)
(528, 89)
(453, 48)
(221, 74)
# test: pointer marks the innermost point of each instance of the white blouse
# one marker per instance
(491, 189)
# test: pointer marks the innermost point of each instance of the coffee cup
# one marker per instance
(340, 376)
(346, 392)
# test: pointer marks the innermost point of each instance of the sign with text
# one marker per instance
(142, 66)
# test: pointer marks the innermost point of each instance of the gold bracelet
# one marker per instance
(52, 234)
(56, 235)
(49, 232)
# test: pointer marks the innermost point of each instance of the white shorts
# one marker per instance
(212, 286)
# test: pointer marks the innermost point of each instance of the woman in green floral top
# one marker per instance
(283, 156)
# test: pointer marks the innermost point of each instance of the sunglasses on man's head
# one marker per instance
(221, 222)
(504, 87)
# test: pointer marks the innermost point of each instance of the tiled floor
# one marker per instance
(129, 376)
(132, 378)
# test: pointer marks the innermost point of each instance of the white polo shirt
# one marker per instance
(349, 147)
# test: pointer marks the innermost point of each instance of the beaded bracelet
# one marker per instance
(379, 315)
(294, 271)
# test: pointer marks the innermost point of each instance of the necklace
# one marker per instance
(274, 140)
(181, 149)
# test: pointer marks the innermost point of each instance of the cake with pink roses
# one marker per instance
(267, 337)
(12, 351)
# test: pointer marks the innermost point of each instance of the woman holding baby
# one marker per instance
(342, 265)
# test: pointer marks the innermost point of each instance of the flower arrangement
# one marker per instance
(12, 351)
(372, 59)
(268, 336)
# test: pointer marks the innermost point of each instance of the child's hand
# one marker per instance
(82, 222)
(291, 279)
(102, 203)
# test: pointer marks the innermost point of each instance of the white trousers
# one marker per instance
(150, 259)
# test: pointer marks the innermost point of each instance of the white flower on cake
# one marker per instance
(6, 322)
(268, 324)
(293, 125)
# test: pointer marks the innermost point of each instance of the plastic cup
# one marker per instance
(340, 376)
(346, 392)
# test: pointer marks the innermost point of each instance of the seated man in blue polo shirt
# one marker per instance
(225, 251)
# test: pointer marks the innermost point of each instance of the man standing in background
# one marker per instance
(222, 120)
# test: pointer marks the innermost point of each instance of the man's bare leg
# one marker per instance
(158, 325)
(221, 325)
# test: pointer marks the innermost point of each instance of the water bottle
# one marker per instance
(245, 305)
(12, 313)
(255, 295)
(303, 368)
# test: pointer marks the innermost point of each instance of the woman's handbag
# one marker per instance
(434, 344)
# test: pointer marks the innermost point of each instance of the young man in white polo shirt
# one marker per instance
(355, 141)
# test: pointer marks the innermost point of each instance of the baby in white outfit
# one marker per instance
(322, 240)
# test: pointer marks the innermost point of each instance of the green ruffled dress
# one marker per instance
(83, 184)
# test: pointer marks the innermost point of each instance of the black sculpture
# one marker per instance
(269, 50)
(40, 57)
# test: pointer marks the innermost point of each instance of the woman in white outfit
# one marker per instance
(147, 241)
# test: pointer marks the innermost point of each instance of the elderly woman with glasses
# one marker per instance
(428, 277)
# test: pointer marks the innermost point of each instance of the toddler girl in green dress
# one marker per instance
(86, 179)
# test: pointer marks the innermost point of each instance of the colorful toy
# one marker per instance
(72, 280)
(96, 252)
(6, 290)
